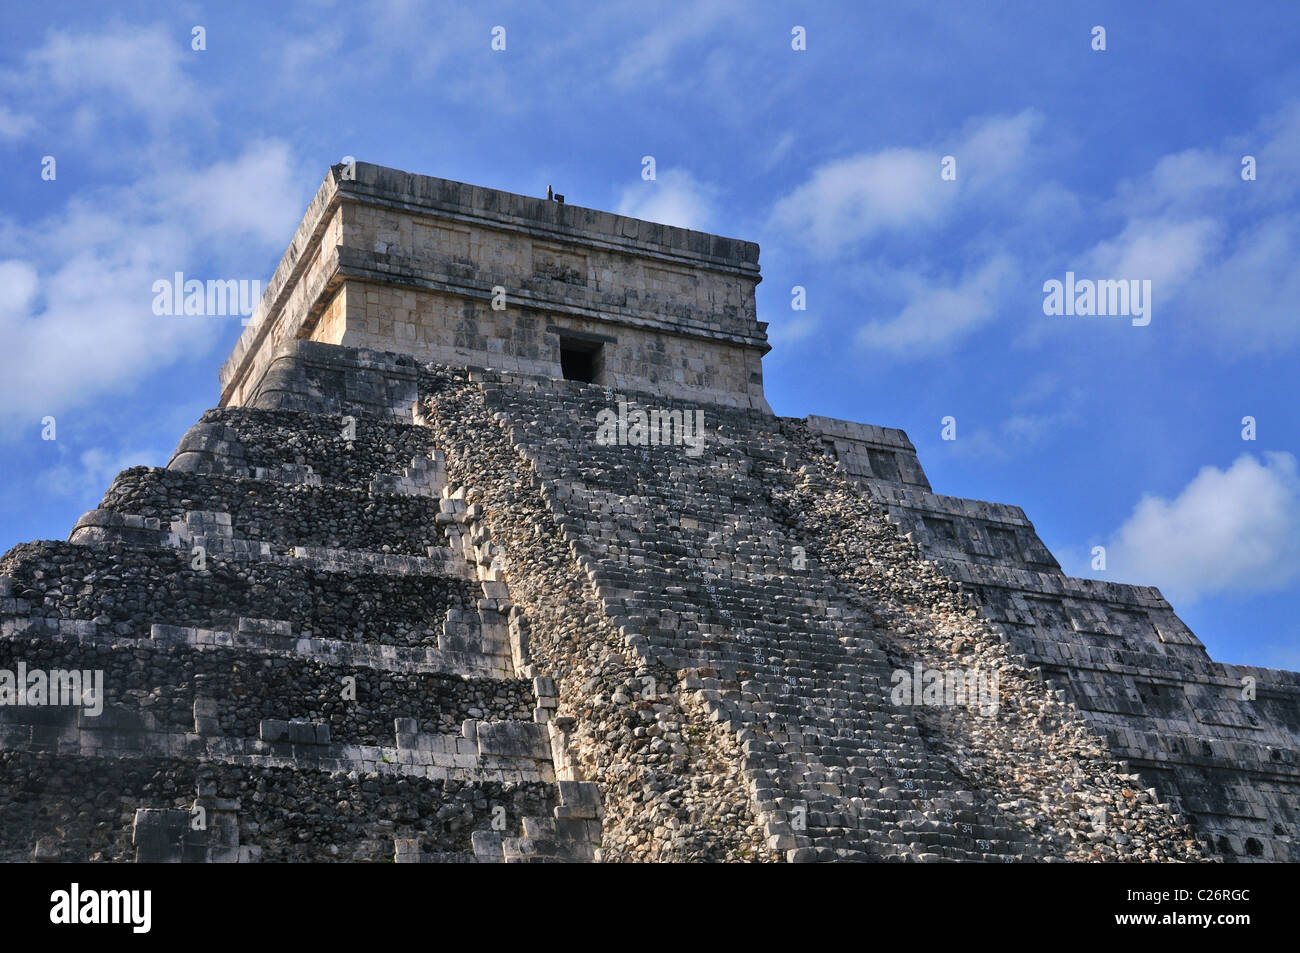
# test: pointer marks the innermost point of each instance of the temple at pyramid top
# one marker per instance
(463, 275)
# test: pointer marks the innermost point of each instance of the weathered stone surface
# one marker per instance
(401, 599)
(408, 263)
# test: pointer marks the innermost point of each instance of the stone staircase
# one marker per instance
(1220, 743)
(708, 578)
(779, 659)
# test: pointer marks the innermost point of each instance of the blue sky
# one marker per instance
(924, 296)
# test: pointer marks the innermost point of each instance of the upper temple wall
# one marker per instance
(414, 264)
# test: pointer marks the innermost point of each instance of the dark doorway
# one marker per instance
(579, 360)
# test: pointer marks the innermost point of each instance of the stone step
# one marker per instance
(389, 658)
(494, 751)
(274, 814)
(120, 586)
(240, 441)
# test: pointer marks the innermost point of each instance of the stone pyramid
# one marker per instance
(494, 551)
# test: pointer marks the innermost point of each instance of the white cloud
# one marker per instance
(937, 317)
(138, 69)
(1249, 296)
(792, 330)
(675, 198)
(648, 57)
(95, 470)
(13, 125)
(1025, 430)
(1228, 530)
(848, 200)
(1276, 147)
(76, 304)
(307, 54)
(778, 151)
(1168, 253)
(255, 193)
(76, 287)
(1220, 250)
(95, 334)
(994, 149)
(1180, 179)
(18, 284)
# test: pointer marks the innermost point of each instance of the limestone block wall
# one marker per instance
(414, 264)
(607, 275)
(299, 293)
(435, 326)
(869, 452)
(303, 376)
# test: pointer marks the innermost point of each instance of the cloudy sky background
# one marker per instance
(924, 296)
